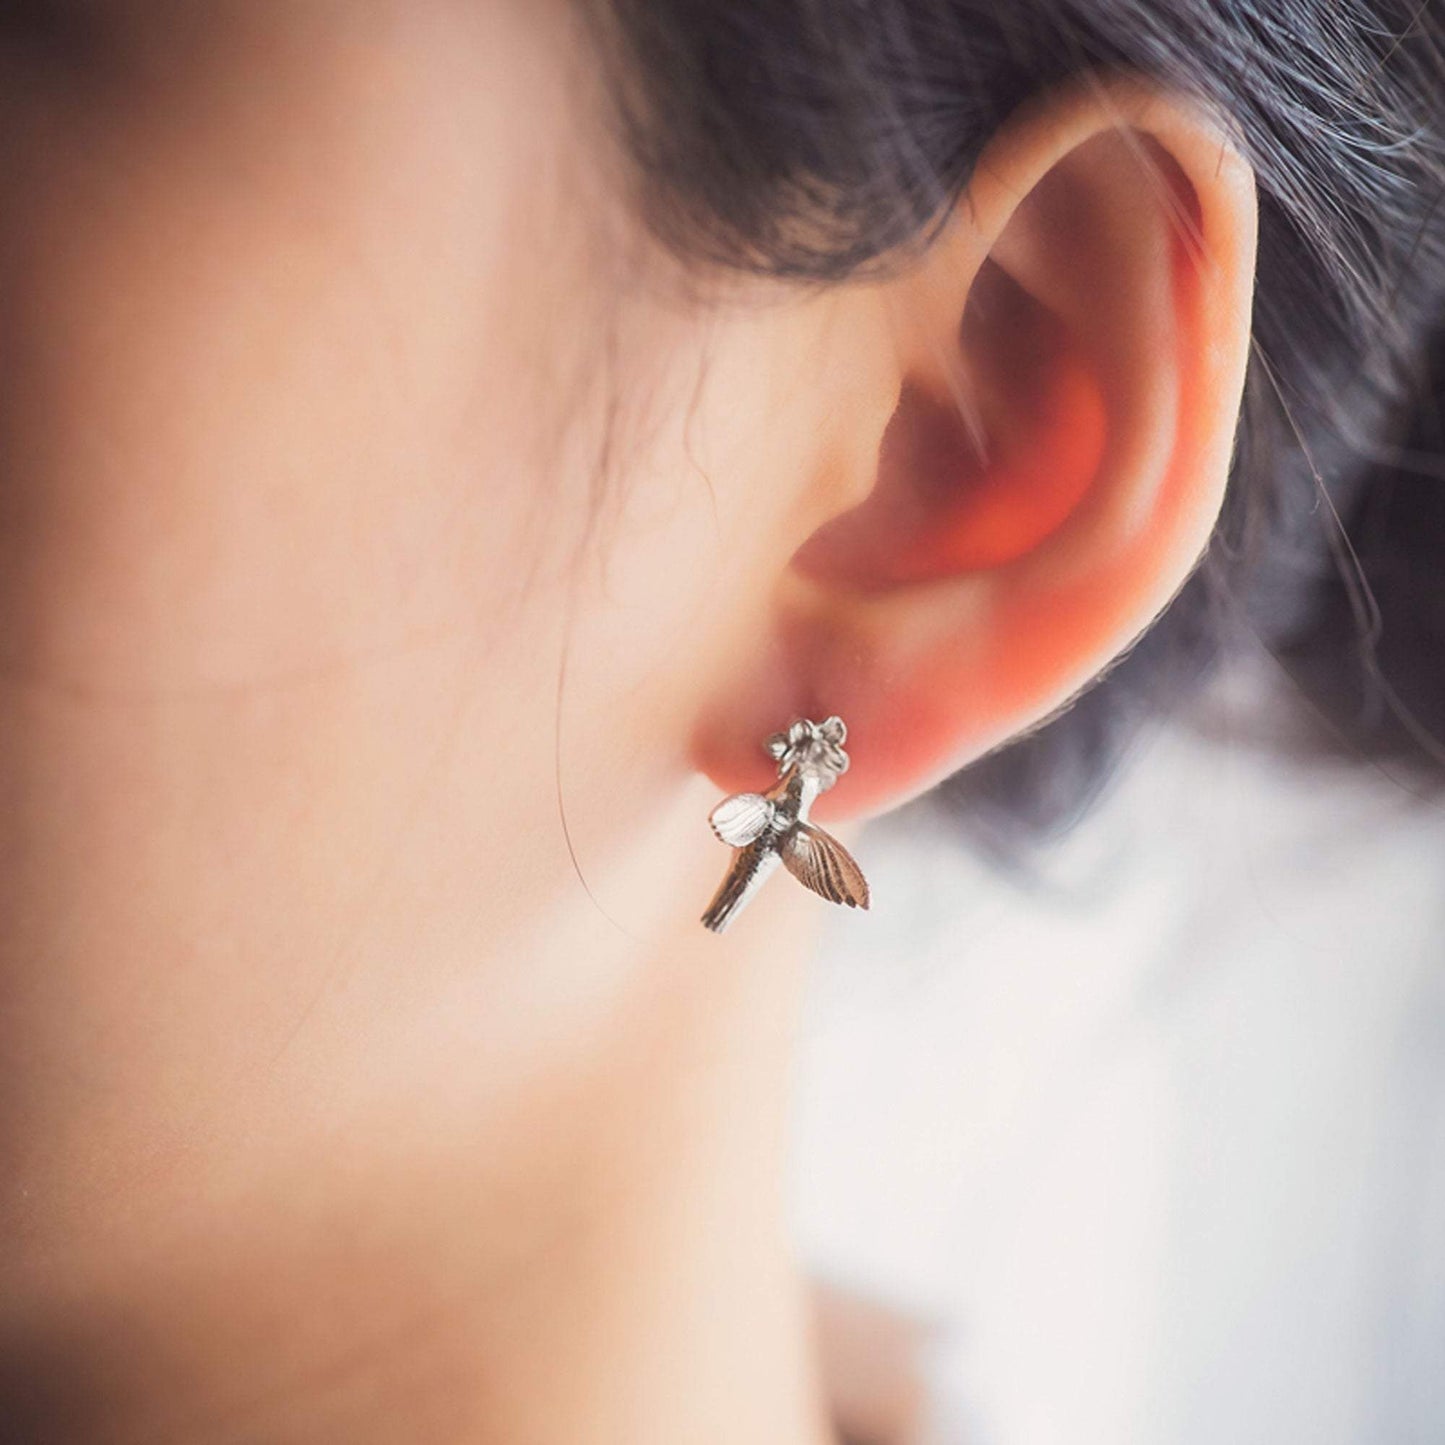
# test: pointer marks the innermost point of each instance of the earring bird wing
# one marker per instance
(740, 819)
(820, 862)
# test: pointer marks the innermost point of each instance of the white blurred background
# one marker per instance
(1153, 1135)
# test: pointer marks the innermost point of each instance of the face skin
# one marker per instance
(375, 493)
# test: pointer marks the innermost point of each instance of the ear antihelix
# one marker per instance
(956, 492)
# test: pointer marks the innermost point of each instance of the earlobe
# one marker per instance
(1071, 353)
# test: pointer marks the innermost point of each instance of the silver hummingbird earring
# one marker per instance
(771, 828)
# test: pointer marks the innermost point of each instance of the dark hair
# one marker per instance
(812, 138)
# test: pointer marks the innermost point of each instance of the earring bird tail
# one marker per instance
(750, 869)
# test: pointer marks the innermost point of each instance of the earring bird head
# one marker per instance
(807, 744)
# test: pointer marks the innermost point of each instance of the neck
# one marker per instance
(597, 1251)
(537, 1195)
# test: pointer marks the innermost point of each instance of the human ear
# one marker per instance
(1070, 354)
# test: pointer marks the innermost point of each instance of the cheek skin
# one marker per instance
(325, 1068)
(313, 393)
(292, 326)
(267, 345)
